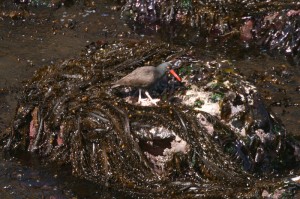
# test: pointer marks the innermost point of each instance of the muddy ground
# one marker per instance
(45, 36)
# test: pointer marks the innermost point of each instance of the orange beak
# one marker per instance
(175, 75)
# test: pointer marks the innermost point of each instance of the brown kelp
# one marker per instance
(273, 25)
(69, 114)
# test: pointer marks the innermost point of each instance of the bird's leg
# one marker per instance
(140, 96)
(150, 98)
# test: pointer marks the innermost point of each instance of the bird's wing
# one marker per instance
(140, 77)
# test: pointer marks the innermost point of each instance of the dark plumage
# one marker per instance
(145, 77)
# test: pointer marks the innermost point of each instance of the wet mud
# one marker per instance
(44, 37)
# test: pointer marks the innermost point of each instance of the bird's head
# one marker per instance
(167, 67)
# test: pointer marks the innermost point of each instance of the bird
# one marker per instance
(146, 76)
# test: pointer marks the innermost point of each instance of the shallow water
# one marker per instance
(53, 35)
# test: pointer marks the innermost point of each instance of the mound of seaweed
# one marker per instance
(210, 136)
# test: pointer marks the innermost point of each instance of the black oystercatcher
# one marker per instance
(145, 77)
